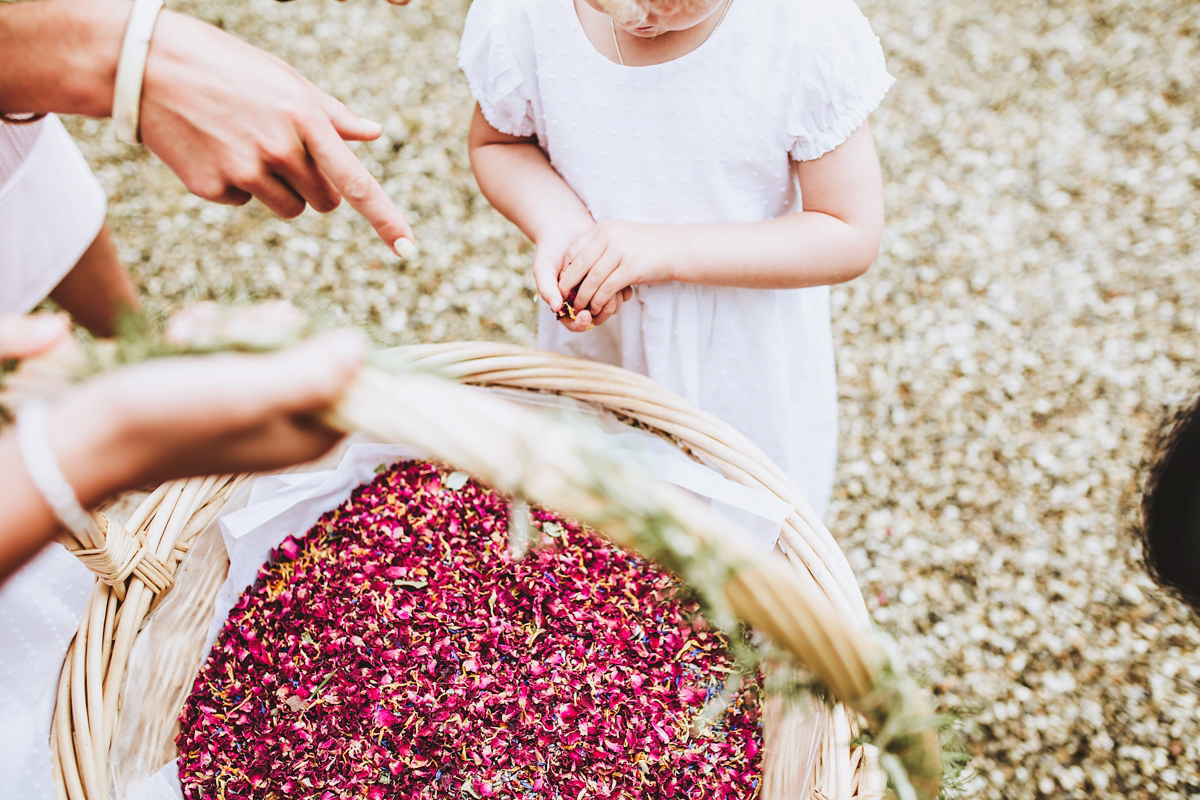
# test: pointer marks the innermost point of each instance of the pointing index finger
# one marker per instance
(357, 185)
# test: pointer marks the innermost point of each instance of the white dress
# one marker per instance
(51, 208)
(706, 138)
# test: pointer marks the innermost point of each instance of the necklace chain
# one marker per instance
(617, 45)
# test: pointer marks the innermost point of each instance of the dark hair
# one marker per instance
(19, 119)
(1170, 529)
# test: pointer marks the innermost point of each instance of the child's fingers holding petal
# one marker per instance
(610, 308)
(545, 277)
(573, 265)
(614, 286)
(608, 263)
(582, 322)
(581, 241)
(579, 266)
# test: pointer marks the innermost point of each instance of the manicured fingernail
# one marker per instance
(405, 248)
(371, 122)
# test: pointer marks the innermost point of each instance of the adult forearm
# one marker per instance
(60, 55)
(172, 418)
(27, 523)
(520, 183)
(789, 252)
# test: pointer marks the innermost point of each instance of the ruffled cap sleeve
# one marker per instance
(487, 56)
(840, 80)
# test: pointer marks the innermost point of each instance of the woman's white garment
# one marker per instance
(51, 208)
(706, 138)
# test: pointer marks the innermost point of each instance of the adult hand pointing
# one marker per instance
(234, 122)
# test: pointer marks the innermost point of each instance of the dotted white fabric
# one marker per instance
(51, 208)
(709, 137)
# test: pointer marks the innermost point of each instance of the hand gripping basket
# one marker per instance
(806, 600)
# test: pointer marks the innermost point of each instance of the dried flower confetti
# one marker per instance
(401, 650)
(567, 309)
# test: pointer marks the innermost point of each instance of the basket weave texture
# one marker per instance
(806, 601)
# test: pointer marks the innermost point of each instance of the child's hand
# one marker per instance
(547, 264)
(547, 269)
(580, 321)
(614, 255)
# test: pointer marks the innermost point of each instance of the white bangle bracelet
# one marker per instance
(131, 68)
(44, 471)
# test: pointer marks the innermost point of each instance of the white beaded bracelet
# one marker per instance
(131, 68)
(44, 471)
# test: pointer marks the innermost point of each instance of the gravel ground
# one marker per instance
(1031, 314)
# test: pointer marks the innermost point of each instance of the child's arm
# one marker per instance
(97, 290)
(834, 239)
(516, 177)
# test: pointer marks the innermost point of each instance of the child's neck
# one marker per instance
(628, 50)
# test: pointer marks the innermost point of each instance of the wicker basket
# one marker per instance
(807, 601)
